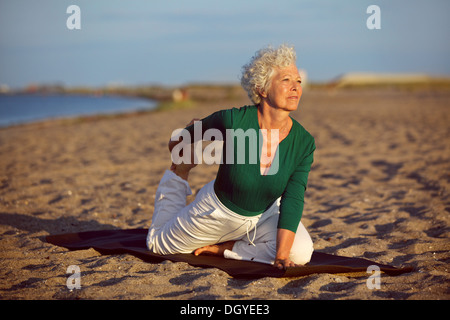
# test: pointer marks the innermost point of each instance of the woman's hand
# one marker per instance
(183, 169)
(285, 239)
(173, 143)
(284, 263)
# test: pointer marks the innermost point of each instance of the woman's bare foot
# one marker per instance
(215, 249)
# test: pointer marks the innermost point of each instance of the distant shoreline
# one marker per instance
(181, 98)
(25, 108)
(171, 99)
(211, 91)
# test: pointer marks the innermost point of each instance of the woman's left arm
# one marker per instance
(285, 239)
(291, 208)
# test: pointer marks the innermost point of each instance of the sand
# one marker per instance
(378, 189)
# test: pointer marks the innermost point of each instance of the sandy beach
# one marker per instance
(378, 189)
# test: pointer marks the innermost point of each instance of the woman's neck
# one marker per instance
(270, 118)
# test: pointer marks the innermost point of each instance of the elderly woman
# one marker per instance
(247, 212)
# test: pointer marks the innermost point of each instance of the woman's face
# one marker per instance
(285, 89)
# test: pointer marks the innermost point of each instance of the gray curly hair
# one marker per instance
(257, 74)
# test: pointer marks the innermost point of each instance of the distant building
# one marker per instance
(304, 77)
(4, 88)
(179, 95)
(359, 79)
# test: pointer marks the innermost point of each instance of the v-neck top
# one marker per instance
(239, 184)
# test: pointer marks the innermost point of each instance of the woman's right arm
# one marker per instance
(218, 120)
(173, 143)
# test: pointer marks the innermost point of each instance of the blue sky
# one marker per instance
(174, 42)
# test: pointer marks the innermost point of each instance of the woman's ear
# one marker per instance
(262, 93)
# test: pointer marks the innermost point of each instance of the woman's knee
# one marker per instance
(302, 248)
(302, 255)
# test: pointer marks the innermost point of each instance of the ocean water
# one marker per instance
(17, 109)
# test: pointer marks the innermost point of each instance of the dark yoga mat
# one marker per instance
(133, 241)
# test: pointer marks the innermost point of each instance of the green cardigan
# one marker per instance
(241, 187)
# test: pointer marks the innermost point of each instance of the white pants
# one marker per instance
(177, 228)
